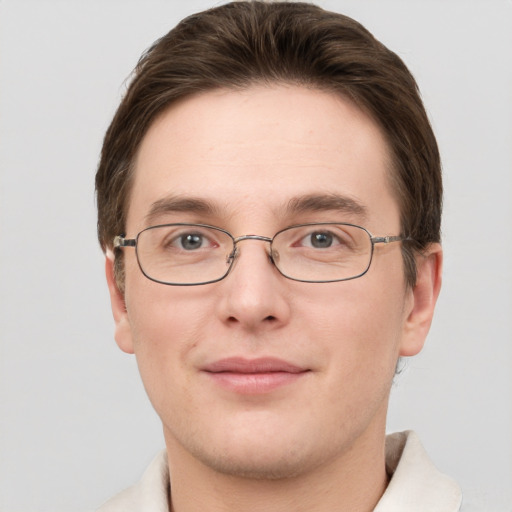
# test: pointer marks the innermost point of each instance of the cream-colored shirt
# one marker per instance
(415, 486)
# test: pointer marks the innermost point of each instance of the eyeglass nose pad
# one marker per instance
(273, 256)
(232, 256)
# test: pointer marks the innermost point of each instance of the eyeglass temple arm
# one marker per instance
(388, 239)
(120, 241)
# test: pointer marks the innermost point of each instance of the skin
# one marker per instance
(317, 442)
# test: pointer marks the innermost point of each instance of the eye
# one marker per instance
(320, 240)
(191, 241)
(188, 241)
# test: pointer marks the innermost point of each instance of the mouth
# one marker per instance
(253, 376)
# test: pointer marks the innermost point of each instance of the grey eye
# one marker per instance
(191, 241)
(321, 240)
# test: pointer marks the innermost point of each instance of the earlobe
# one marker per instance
(123, 335)
(423, 298)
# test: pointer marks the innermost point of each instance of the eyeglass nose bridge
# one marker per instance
(238, 239)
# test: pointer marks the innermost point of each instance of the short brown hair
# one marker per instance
(243, 43)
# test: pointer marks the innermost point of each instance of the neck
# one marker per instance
(351, 482)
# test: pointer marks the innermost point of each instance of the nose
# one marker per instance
(253, 295)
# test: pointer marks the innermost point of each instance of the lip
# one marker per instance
(253, 376)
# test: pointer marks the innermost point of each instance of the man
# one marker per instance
(269, 198)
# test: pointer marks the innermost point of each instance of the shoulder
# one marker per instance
(150, 494)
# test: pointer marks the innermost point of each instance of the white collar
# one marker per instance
(416, 484)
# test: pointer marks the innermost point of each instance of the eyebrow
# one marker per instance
(179, 204)
(296, 205)
(325, 203)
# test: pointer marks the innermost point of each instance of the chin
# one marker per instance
(266, 466)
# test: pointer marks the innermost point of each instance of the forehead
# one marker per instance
(259, 150)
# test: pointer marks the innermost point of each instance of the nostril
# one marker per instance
(269, 318)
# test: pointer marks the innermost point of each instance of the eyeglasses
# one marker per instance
(196, 254)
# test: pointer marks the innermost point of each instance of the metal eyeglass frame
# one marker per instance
(120, 241)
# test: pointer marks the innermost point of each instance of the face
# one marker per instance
(258, 375)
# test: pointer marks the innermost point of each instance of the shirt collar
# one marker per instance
(416, 484)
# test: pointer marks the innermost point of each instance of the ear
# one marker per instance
(422, 300)
(123, 333)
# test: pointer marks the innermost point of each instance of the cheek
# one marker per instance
(159, 314)
(167, 323)
(356, 325)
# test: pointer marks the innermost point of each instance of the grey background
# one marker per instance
(75, 425)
